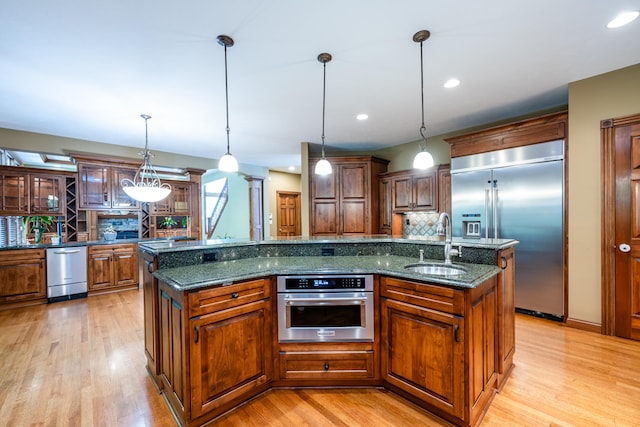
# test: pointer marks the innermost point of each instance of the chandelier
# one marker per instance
(146, 185)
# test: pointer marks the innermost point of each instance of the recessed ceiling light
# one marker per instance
(623, 19)
(291, 168)
(451, 83)
(362, 116)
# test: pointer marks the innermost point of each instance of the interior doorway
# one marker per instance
(621, 227)
(289, 216)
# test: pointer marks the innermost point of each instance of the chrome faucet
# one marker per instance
(446, 228)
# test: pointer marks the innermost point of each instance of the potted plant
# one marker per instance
(39, 225)
(110, 233)
(168, 222)
(55, 239)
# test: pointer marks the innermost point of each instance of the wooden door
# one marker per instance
(424, 192)
(230, 356)
(125, 266)
(289, 217)
(402, 194)
(627, 231)
(100, 268)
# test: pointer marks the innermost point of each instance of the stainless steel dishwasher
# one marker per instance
(66, 273)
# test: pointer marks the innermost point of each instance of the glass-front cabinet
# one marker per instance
(14, 194)
(46, 194)
(177, 202)
(100, 187)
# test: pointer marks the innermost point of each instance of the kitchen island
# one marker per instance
(446, 342)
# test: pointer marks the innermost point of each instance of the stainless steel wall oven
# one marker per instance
(320, 308)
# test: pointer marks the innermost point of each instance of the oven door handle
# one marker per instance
(324, 300)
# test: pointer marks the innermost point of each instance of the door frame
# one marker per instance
(608, 242)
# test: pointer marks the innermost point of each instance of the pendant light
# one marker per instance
(146, 185)
(423, 159)
(323, 167)
(227, 163)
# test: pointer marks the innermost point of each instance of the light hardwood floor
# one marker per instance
(81, 363)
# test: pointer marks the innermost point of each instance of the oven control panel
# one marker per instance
(325, 283)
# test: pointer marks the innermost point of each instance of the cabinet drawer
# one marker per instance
(327, 365)
(124, 247)
(435, 297)
(224, 297)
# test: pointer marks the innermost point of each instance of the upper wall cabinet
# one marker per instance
(25, 192)
(346, 201)
(177, 202)
(99, 187)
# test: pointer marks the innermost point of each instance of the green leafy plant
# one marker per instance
(168, 222)
(39, 224)
(110, 229)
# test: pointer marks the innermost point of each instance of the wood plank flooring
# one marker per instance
(81, 363)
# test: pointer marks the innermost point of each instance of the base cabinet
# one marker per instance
(216, 347)
(112, 267)
(439, 348)
(23, 276)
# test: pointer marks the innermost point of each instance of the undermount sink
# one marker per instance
(436, 269)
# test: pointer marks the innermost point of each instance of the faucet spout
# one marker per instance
(444, 225)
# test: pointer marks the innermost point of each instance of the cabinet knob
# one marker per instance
(326, 366)
(234, 295)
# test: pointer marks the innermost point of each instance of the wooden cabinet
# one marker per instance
(386, 212)
(439, 347)
(25, 192)
(100, 188)
(226, 331)
(112, 267)
(151, 306)
(177, 202)
(506, 314)
(346, 201)
(444, 188)
(415, 192)
(349, 363)
(23, 276)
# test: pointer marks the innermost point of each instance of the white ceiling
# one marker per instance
(88, 69)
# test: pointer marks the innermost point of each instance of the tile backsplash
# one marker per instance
(420, 224)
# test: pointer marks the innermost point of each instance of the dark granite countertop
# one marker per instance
(225, 272)
(72, 244)
(160, 246)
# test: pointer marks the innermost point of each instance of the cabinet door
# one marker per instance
(172, 348)
(22, 275)
(324, 218)
(506, 314)
(100, 269)
(120, 199)
(125, 267)
(47, 194)
(14, 194)
(402, 193)
(151, 315)
(385, 206)
(423, 354)
(230, 356)
(444, 189)
(94, 186)
(424, 192)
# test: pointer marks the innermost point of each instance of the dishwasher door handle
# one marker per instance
(63, 252)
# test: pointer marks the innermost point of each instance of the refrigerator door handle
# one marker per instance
(487, 201)
(494, 206)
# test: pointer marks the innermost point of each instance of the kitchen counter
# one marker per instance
(187, 265)
(218, 273)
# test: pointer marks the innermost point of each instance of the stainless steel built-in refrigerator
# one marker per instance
(517, 193)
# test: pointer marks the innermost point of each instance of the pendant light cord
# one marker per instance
(422, 128)
(324, 90)
(226, 91)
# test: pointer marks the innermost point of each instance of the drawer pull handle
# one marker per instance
(326, 366)
(456, 329)
(197, 328)
(235, 295)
